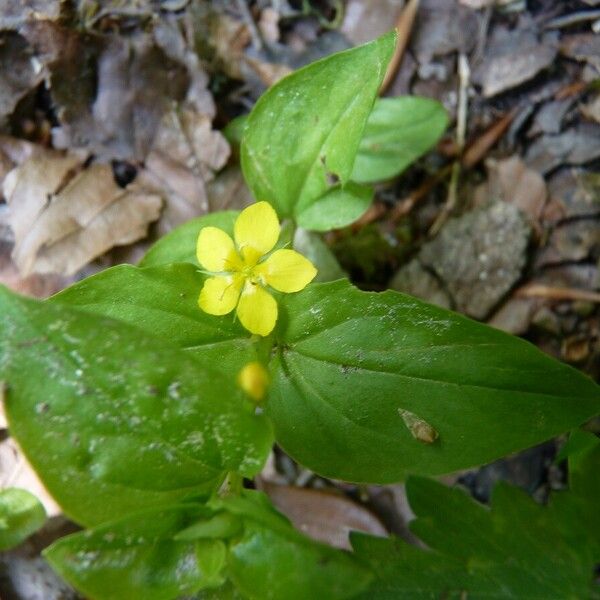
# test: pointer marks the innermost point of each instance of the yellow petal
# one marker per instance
(256, 231)
(215, 250)
(220, 295)
(257, 310)
(254, 379)
(286, 271)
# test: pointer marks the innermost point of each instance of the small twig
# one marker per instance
(572, 19)
(539, 290)
(257, 41)
(481, 146)
(464, 75)
(404, 25)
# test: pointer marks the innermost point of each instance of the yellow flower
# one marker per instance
(254, 379)
(242, 271)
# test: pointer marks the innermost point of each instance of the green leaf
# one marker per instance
(362, 381)
(179, 245)
(272, 560)
(114, 420)
(138, 557)
(398, 132)
(163, 301)
(153, 555)
(336, 208)
(21, 514)
(312, 246)
(303, 134)
(518, 549)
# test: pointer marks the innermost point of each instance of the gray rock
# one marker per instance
(479, 256)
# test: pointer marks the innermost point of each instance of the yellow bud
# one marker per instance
(254, 379)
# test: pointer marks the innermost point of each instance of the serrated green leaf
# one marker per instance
(114, 420)
(398, 132)
(302, 136)
(518, 549)
(179, 245)
(21, 514)
(137, 557)
(150, 555)
(360, 378)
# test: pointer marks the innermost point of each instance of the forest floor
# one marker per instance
(114, 111)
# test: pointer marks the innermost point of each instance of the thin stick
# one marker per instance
(572, 19)
(404, 26)
(464, 75)
(539, 290)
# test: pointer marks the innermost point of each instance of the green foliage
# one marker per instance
(349, 363)
(123, 394)
(104, 392)
(398, 132)
(167, 553)
(302, 136)
(21, 514)
(518, 549)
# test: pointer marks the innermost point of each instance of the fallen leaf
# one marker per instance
(110, 91)
(323, 516)
(583, 47)
(18, 72)
(512, 58)
(185, 154)
(64, 217)
(442, 27)
(569, 242)
(575, 146)
(364, 21)
(576, 193)
(17, 12)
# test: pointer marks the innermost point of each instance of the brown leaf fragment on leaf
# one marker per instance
(512, 58)
(323, 516)
(63, 218)
(18, 71)
(185, 154)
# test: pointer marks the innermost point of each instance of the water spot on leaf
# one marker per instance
(419, 428)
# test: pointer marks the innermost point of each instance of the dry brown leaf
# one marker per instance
(185, 154)
(110, 91)
(62, 219)
(323, 516)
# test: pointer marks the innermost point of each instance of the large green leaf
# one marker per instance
(21, 514)
(399, 131)
(159, 555)
(114, 420)
(518, 549)
(163, 301)
(302, 136)
(362, 381)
